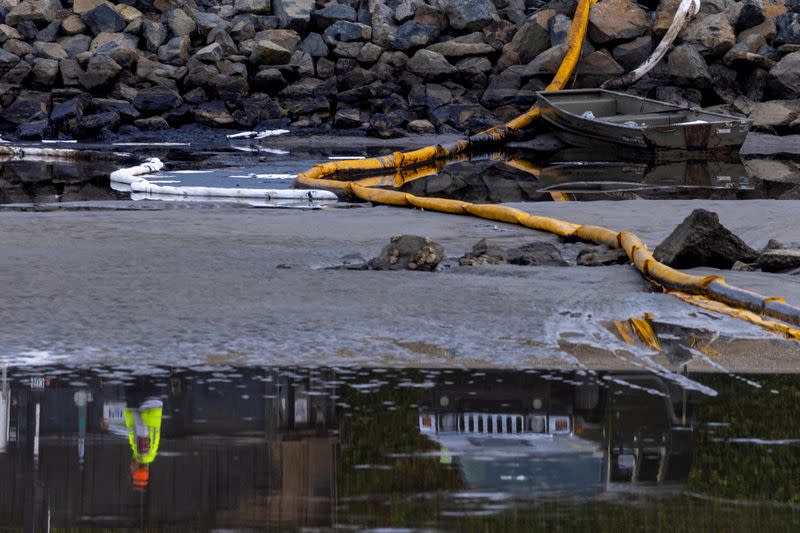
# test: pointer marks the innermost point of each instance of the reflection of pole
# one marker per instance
(81, 398)
(36, 432)
(5, 410)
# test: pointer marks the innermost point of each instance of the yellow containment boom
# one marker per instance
(697, 290)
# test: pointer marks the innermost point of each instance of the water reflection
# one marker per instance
(288, 447)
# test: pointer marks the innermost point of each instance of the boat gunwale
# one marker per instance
(550, 99)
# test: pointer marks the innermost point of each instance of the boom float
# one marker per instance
(711, 292)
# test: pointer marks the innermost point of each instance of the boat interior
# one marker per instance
(628, 111)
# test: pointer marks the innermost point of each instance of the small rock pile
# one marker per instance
(82, 68)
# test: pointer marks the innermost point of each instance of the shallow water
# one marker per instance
(260, 448)
(513, 176)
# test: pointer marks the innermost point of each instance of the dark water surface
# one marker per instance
(323, 448)
(575, 175)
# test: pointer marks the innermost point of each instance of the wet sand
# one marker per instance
(229, 285)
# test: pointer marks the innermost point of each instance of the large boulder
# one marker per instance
(322, 18)
(256, 7)
(103, 18)
(343, 31)
(784, 78)
(779, 260)
(612, 20)
(293, 14)
(775, 114)
(470, 15)
(175, 51)
(7, 61)
(631, 54)
(750, 15)
(409, 252)
(700, 240)
(430, 65)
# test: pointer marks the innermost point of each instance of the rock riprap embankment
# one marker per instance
(82, 68)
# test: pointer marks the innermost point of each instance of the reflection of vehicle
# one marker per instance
(552, 436)
(518, 435)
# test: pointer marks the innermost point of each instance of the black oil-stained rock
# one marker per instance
(779, 260)
(601, 257)
(700, 240)
(409, 252)
(488, 252)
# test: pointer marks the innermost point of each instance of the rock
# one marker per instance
(7, 61)
(175, 51)
(502, 89)
(632, 54)
(470, 15)
(485, 252)
(322, 18)
(559, 28)
(129, 13)
(35, 130)
(345, 32)
(700, 240)
(788, 26)
(738, 266)
(154, 34)
(746, 54)
(124, 109)
(91, 125)
(536, 254)
(103, 18)
(349, 117)
(214, 114)
(7, 32)
(612, 20)
(28, 106)
(101, 72)
(545, 63)
(293, 14)
(156, 100)
(70, 72)
(151, 124)
(49, 51)
(687, 67)
(288, 39)
(44, 73)
(209, 54)
(49, 33)
(420, 127)
(750, 15)
(75, 44)
(779, 260)
(412, 35)
(775, 114)
(178, 22)
(256, 7)
(602, 257)
(409, 252)
(72, 25)
(82, 6)
(268, 53)
(40, 12)
(314, 45)
(784, 78)
(711, 35)
(454, 48)
(533, 37)
(369, 53)
(430, 16)
(430, 65)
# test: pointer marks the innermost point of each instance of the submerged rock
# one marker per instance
(409, 252)
(700, 240)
